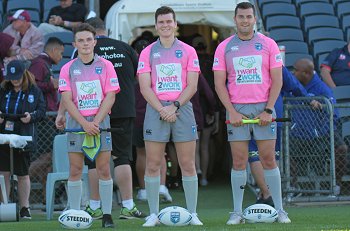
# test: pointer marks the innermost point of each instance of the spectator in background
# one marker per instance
(29, 41)
(5, 51)
(309, 126)
(63, 17)
(20, 95)
(335, 69)
(41, 68)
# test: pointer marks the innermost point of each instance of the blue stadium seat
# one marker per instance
(68, 51)
(291, 58)
(262, 2)
(34, 17)
(65, 37)
(320, 59)
(320, 20)
(282, 21)
(345, 23)
(278, 8)
(295, 47)
(336, 2)
(343, 8)
(324, 33)
(300, 2)
(348, 34)
(287, 34)
(13, 5)
(316, 8)
(57, 68)
(47, 5)
(326, 46)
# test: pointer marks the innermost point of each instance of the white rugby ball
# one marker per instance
(260, 213)
(75, 219)
(174, 216)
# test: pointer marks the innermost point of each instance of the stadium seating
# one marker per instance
(282, 21)
(13, 5)
(34, 17)
(343, 8)
(326, 46)
(47, 5)
(278, 8)
(312, 8)
(287, 34)
(65, 37)
(295, 47)
(60, 167)
(291, 58)
(324, 33)
(300, 2)
(345, 23)
(262, 2)
(320, 59)
(320, 20)
(335, 2)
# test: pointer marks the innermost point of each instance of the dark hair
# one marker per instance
(96, 23)
(28, 80)
(53, 42)
(164, 10)
(244, 6)
(84, 27)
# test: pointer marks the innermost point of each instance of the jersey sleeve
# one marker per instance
(219, 63)
(275, 55)
(112, 83)
(330, 59)
(193, 62)
(144, 65)
(64, 80)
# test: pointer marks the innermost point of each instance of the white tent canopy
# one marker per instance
(126, 15)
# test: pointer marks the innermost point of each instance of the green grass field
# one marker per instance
(214, 205)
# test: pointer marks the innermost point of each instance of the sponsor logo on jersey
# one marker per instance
(196, 63)
(98, 70)
(62, 83)
(141, 65)
(178, 54)
(156, 55)
(234, 48)
(76, 72)
(258, 46)
(216, 62)
(114, 82)
(278, 58)
(342, 57)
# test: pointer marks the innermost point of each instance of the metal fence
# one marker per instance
(314, 159)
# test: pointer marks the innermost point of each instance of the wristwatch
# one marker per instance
(268, 111)
(177, 104)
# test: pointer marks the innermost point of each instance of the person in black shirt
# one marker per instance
(63, 17)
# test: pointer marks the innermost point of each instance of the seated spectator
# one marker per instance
(335, 69)
(309, 125)
(41, 69)
(29, 41)
(63, 17)
(5, 51)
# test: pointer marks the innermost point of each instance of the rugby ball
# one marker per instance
(260, 213)
(174, 216)
(75, 219)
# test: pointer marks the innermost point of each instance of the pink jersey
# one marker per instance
(248, 64)
(88, 83)
(168, 67)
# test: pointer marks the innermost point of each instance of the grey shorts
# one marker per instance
(247, 131)
(75, 141)
(183, 130)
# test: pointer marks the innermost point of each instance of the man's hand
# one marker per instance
(236, 118)
(315, 105)
(54, 82)
(91, 128)
(265, 118)
(60, 121)
(26, 119)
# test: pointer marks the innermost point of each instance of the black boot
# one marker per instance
(107, 221)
